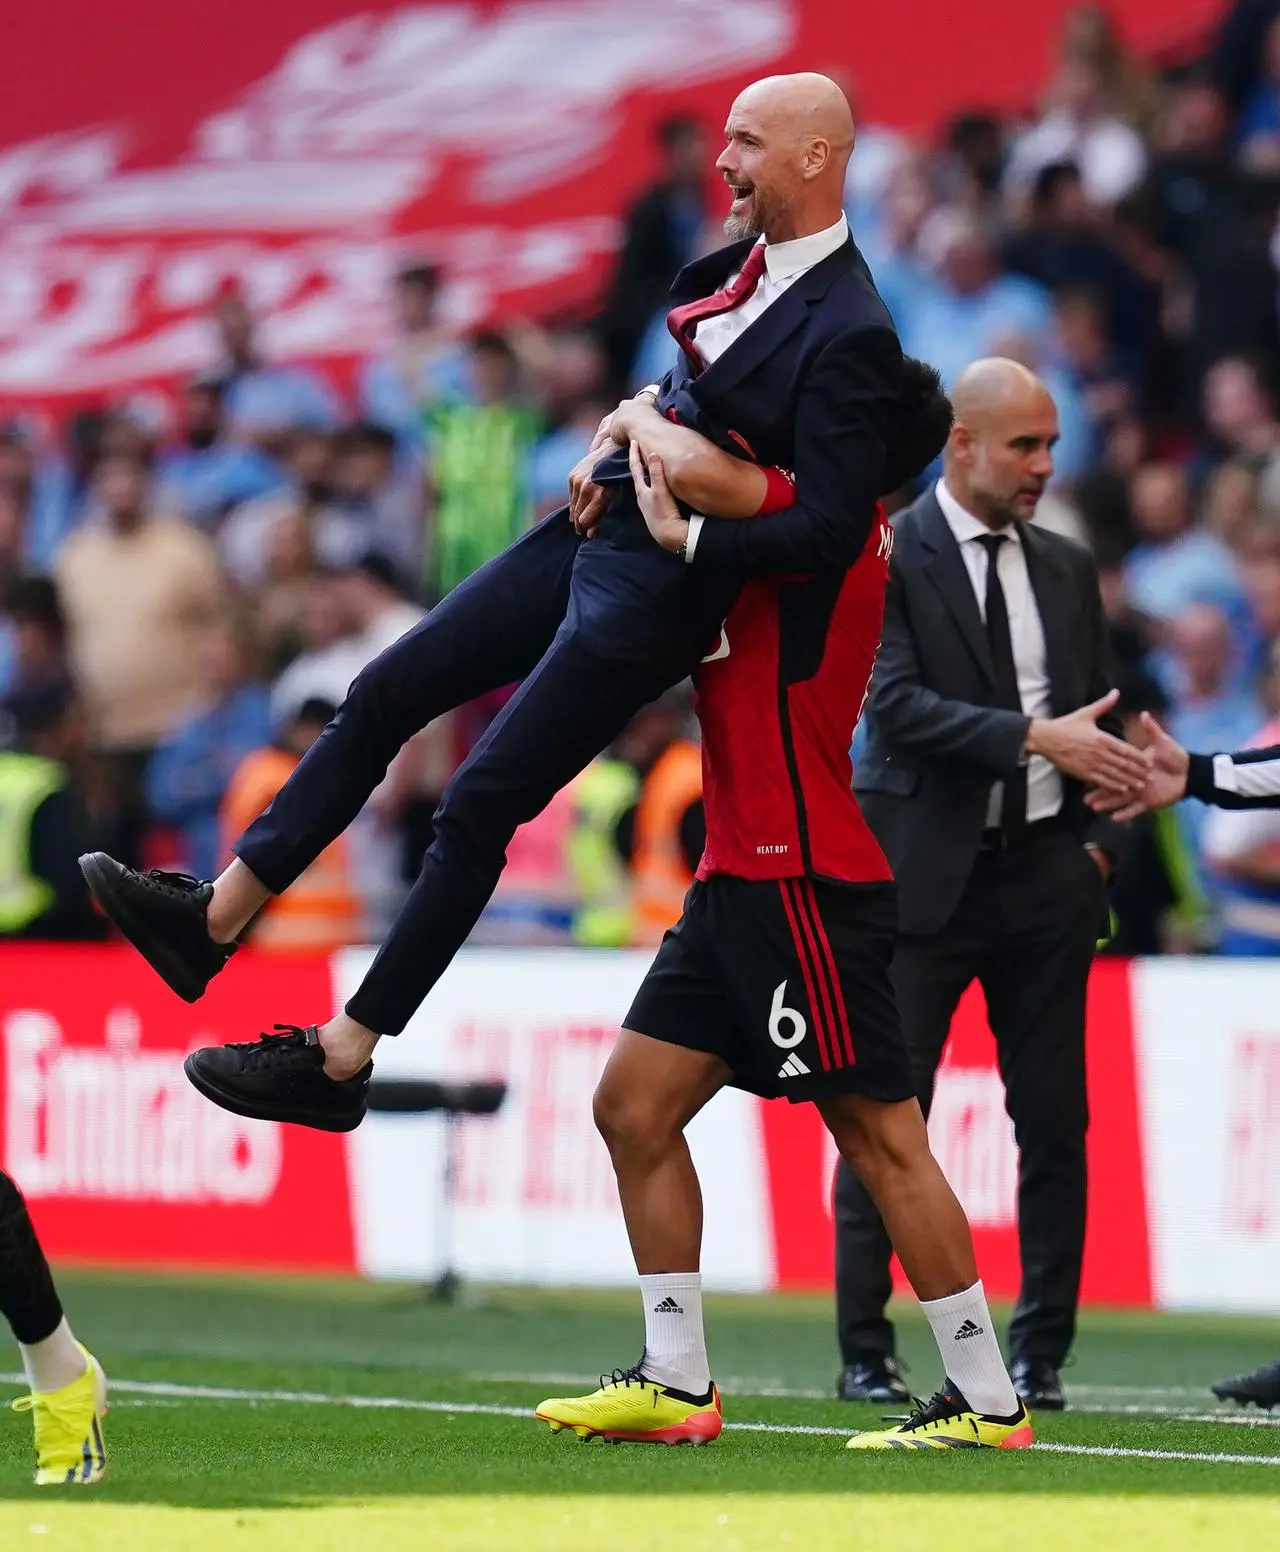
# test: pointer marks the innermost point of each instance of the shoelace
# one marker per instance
(63, 1413)
(267, 1048)
(938, 1409)
(174, 886)
(625, 1377)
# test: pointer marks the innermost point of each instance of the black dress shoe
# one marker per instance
(164, 916)
(1262, 1387)
(281, 1077)
(1037, 1384)
(872, 1377)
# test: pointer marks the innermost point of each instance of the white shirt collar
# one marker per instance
(786, 260)
(963, 523)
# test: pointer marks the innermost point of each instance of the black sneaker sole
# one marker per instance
(281, 1111)
(102, 874)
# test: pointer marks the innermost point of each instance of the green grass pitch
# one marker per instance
(328, 1415)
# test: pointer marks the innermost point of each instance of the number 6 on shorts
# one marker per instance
(780, 1014)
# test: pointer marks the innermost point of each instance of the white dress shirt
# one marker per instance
(784, 263)
(1026, 633)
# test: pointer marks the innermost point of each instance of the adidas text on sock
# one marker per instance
(963, 1329)
(675, 1351)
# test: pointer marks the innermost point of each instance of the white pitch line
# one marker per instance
(168, 1390)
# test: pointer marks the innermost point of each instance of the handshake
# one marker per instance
(1124, 781)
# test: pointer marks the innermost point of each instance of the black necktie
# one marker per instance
(1013, 809)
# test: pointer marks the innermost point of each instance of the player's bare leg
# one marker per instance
(887, 1146)
(648, 1094)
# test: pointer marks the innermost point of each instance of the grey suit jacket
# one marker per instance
(936, 738)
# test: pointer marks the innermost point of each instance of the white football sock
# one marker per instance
(966, 1338)
(53, 1363)
(675, 1349)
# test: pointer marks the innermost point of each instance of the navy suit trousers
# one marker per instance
(595, 630)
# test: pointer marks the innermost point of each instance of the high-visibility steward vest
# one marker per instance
(601, 795)
(662, 877)
(320, 910)
(26, 780)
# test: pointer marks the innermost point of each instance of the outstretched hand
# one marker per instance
(1167, 766)
(657, 504)
(1080, 748)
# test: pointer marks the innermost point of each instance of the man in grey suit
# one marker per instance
(990, 715)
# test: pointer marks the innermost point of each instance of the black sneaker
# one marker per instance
(1262, 1387)
(280, 1077)
(872, 1377)
(163, 916)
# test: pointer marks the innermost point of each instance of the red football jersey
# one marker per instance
(778, 700)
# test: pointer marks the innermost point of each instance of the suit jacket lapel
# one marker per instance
(1051, 583)
(781, 318)
(945, 568)
(708, 273)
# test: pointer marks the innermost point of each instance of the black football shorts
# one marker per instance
(787, 981)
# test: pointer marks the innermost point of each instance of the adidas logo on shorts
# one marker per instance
(793, 1067)
(968, 1329)
(668, 1307)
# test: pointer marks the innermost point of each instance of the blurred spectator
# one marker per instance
(320, 910)
(660, 233)
(1081, 127)
(305, 513)
(424, 361)
(263, 402)
(1240, 413)
(1230, 507)
(1174, 565)
(332, 653)
(1242, 849)
(1091, 38)
(1210, 709)
(1258, 128)
(892, 248)
(378, 503)
(189, 772)
(36, 492)
(43, 823)
(1237, 53)
(208, 473)
(1062, 247)
(1218, 225)
(881, 151)
(974, 161)
(574, 403)
(33, 647)
(138, 590)
(1096, 380)
(665, 839)
(479, 477)
(973, 305)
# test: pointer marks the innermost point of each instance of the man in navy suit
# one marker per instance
(790, 362)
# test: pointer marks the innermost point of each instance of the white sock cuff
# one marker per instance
(953, 1301)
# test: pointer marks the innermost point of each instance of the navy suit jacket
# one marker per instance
(937, 739)
(811, 387)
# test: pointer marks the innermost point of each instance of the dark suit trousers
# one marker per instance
(595, 632)
(1025, 929)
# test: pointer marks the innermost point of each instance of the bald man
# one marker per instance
(989, 717)
(789, 362)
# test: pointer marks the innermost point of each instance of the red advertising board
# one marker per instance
(120, 1159)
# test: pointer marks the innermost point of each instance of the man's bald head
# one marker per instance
(999, 455)
(789, 142)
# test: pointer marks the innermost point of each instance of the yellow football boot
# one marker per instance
(947, 1423)
(631, 1409)
(69, 1443)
